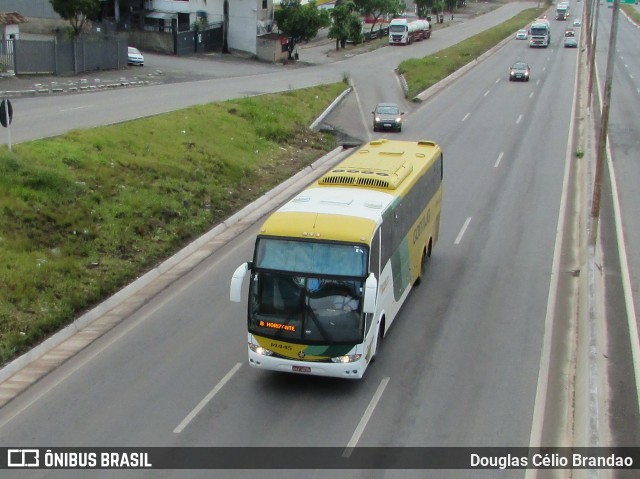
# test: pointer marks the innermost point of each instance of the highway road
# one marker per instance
(462, 365)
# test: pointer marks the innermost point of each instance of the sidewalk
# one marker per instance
(36, 85)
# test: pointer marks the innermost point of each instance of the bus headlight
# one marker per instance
(349, 358)
(260, 350)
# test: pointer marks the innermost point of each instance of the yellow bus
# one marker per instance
(332, 267)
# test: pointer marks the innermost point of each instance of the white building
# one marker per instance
(244, 20)
(10, 25)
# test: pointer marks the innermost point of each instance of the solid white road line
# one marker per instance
(365, 418)
(84, 107)
(185, 422)
(361, 110)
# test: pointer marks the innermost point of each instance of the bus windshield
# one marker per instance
(311, 257)
(306, 309)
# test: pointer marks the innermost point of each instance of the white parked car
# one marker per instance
(134, 57)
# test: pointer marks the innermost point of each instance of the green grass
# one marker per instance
(421, 73)
(85, 213)
(631, 12)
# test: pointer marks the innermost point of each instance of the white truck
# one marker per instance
(422, 29)
(404, 32)
(562, 11)
(540, 33)
(399, 32)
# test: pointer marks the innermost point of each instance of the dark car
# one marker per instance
(570, 42)
(519, 71)
(387, 116)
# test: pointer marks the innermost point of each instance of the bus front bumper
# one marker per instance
(353, 370)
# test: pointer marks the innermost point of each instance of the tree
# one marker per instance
(300, 22)
(425, 7)
(380, 8)
(346, 23)
(77, 12)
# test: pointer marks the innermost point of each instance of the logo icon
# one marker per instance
(23, 458)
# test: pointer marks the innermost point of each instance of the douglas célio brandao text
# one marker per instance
(550, 460)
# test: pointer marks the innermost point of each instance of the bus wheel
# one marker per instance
(423, 265)
(379, 339)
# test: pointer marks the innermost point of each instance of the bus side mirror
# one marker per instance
(235, 292)
(370, 293)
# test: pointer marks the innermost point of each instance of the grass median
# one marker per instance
(85, 213)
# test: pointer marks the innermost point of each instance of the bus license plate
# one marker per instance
(301, 369)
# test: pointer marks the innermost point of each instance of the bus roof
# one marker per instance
(384, 165)
(338, 214)
(348, 202)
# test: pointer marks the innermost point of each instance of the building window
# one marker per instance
(264, 4)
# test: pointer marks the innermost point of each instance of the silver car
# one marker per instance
(134, 57)
(522, 34)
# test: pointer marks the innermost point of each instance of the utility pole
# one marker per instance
(604, 124)
(592, 42)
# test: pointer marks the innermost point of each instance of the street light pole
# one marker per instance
(592, 42)
(604, 124)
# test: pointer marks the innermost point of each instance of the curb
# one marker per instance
(316, 124)
(79, 87)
